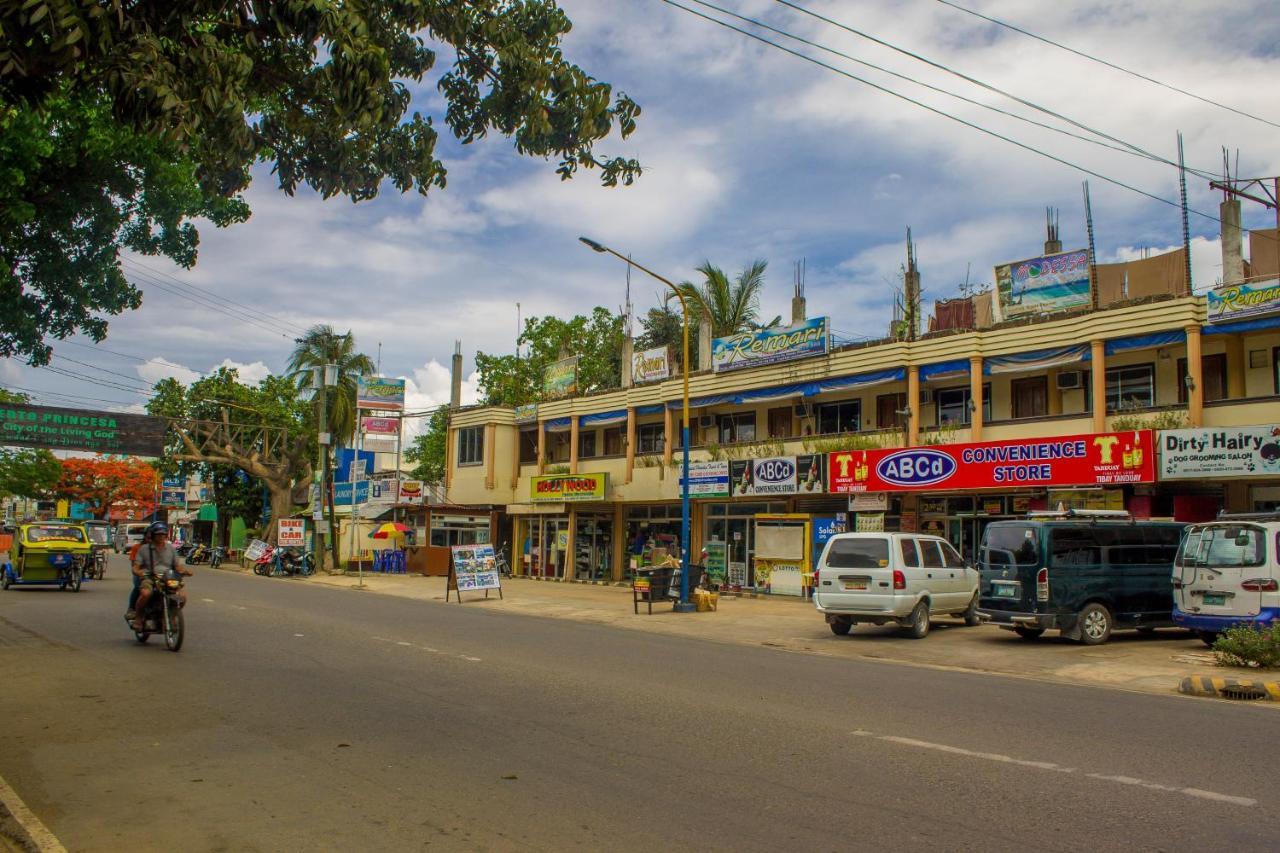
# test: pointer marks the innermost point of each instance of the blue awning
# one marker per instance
(861, 380)
(617, 416)
(557, 425)
(654, 409)
(797, 389)
(1156, 339)
(1258, 325)
(1037, 359)
(944, 369)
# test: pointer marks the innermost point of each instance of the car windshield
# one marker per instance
(1223, 547)
(858, 553)
(51, 532)
(98, 534)
(1010, 545)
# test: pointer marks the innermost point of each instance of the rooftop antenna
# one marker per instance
(518, 327)
(911, 291)
(967, 289)
(379, 365)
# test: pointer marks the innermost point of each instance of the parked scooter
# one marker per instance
(290, 561)
(265, 564)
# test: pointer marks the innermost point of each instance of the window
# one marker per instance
(858, 554)
(910, 557)
(1030, 397)
(1213, 377)
(1073, 546)
(780, 422)
(1275, 367)
(448, 531)
(737, 427)
(953, 405)
(950, 557)
(930, 553)
(586, 444)
(887, 408)
(613, 441)
(649, 438)
(1224, 547)
(471, 445)
(1007, 545)
(1131, 387)
(529, 446)
(839, 417)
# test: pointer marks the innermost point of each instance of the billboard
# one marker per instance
(380, 392)
(526, 414)
(1243, 300)
(1095, 459)
(1043, 285)
(54, 428)
(652, 365)
(568, 487)
(709, 479)
(173, 498)
(380, 426)
(1213, 453)
(561, 378)
(777, 475)
(770, 346)
(293, 533)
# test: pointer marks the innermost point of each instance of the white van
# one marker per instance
(903, 578)
(1228, 573)
(128, 535)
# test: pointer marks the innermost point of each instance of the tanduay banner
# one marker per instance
(1095, 459)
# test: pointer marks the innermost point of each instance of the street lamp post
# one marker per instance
(683, 606)
(323, 378)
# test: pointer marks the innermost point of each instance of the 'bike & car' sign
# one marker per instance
(1102, 459)
(568, 487)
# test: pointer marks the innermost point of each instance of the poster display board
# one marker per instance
(1043, 285)
(715, 562)
(255, 550)
(293, 533)
(473, 568)
(1193, 454)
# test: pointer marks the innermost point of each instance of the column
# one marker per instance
(1052, 394)
(573, 444)
(451, 436)
(515, 460)
(619, 543)
(631, 441)
(490, 455)
(1194, 379)
(668, 434)
(1235, 367)
(568, 573)
(975, 396)
(542, 446)
(913, 404)
(1098, 366)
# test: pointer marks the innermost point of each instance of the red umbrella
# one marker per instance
(386, 531)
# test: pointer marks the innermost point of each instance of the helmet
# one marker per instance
(158, 527)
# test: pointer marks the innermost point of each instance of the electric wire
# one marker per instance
(139, 359)
(149, 282)
(139, 381)
(1107, 63)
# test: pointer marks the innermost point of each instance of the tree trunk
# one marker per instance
(281, 500)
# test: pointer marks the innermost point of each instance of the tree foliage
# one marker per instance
(103, 480)
(25, 472)
(97, 99)
(731, 306)
(508, 380)
(664, 327)
(323, 345)
(427, 450)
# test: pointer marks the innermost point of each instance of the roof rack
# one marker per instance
(1271, 515)
(1092, 514)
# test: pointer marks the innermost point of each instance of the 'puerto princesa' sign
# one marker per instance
(770, 346)
(55, 428)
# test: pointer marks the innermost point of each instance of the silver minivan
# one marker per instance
(893, 578)
(1228, 573)
(128, 534)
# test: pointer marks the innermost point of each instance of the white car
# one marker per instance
(1228, 573)
(128, 535)
(900, 578)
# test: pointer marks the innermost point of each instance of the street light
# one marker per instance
(323, 378)
(683, 606)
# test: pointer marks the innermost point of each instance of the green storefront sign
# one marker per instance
(78, 429)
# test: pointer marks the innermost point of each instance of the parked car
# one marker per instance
(128, 534)
(1228, 573)
(1084, 574)
(900, 578)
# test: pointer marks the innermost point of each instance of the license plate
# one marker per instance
(1219, 600)
(1005, 591)
(855, 586)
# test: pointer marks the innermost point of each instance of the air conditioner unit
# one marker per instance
(1070, 379)
(926, 396)
(707, 421)
(803, 409)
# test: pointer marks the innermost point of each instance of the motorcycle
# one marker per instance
(198, 554)
(163, 613)
(215, 557)
(289, 562)
(265, 564)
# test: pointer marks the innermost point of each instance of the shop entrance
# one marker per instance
(731, 528)
(593, 547)
(546, 538)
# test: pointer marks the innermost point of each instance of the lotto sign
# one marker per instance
(1104, 459)
(293, 533)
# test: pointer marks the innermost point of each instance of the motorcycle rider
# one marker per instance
(154, 560)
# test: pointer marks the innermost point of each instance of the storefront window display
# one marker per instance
(653, 534)
(450, 530)
(961, 519)
(593, 547)
(544, 539)
(729, 540)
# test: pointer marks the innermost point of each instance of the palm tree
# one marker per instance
(731, 307)
(322, 345)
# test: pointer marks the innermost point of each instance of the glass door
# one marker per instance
(738, 546)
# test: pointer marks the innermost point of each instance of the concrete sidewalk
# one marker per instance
(1153, 663)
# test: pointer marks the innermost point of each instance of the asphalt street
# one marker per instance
(307, 718)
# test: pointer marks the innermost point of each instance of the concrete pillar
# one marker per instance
(573, 444)
(798, 308)
(451, 438)
(668, 434)
(1232, 242)
(455, 377)
(490, 455)
(515, 462)
(704, 343)
(975, 395)
(1194, 379)
(567, 573)
(628, 353)
(1053, 394)
(619, 543)
(913, 405)
(1235, 366)
(1099, 384)
(542, 447)
(631, 441)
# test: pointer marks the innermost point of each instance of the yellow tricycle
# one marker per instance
(50, 553)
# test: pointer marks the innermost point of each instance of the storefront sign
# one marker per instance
(380, 393)
(652, 365)
(1043, 285)
(411, 492)
(825, 528)
(55, 428)
(380, 426)
(342, 493)
(714, 562)
(870, 522)
(770, 346)
(869, 502)
(1190, 454)
(173, 483)
(345, 470)
(1074, 460)
(777, 475)
(527, 414)
(474, 567)
(173, 498)
(1243, 300)
(561, 378)
(293, 533)
(709, 479)
(568, 487)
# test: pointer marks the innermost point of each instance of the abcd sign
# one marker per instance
(921, 467)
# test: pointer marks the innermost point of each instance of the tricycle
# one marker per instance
(100, 535)
(48, 553)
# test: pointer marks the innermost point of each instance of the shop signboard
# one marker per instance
(869, 502)
(709, 479)
(293, 533)
(55, 428)
(384, 491)
(411, 492)
(342, 493)
(380, 393)
(770, 346)
(173, 498)
(1238, 301)
(1043, 285)
(556, 488)
(527, 414)
(652, 365)
(475, 567)
(1193, 454)
(173, 483)
(343, 459)
(825, 528)
(870, 522)
(380, 426)
(561, 378)
(776, 475)
(1095, 459)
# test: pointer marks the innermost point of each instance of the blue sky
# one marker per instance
(749, 153)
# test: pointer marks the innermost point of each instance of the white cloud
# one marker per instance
(429, 387)
(250, 374)
(156, 369)
(10, 371)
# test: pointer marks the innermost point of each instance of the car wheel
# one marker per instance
(918, 628)
(1208, 637)
(840, 627)
(1095, 624)
(971, 615)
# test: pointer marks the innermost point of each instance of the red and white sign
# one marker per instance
(411, 491)
(380, 426)
(293, 533)
(1096, 459)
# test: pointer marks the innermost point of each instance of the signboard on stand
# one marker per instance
(561, 378)
(652, 365)
(293, 533)
(473, 568)
(380, 426)
(380, 393)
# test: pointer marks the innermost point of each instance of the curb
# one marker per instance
(1229, 688)
(17, 822)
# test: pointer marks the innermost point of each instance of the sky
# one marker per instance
(748, 153)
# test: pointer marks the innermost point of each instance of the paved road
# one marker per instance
(303, 718)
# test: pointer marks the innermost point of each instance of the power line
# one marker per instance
(1107, 63)
(101, 369)
(205, 302)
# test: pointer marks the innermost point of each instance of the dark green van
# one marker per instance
(1085, 576)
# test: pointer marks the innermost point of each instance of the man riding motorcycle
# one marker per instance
(155, 558)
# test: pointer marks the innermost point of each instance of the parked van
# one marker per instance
(128, 534)
(1083, 573)
(1228, 573)
(900, 578)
